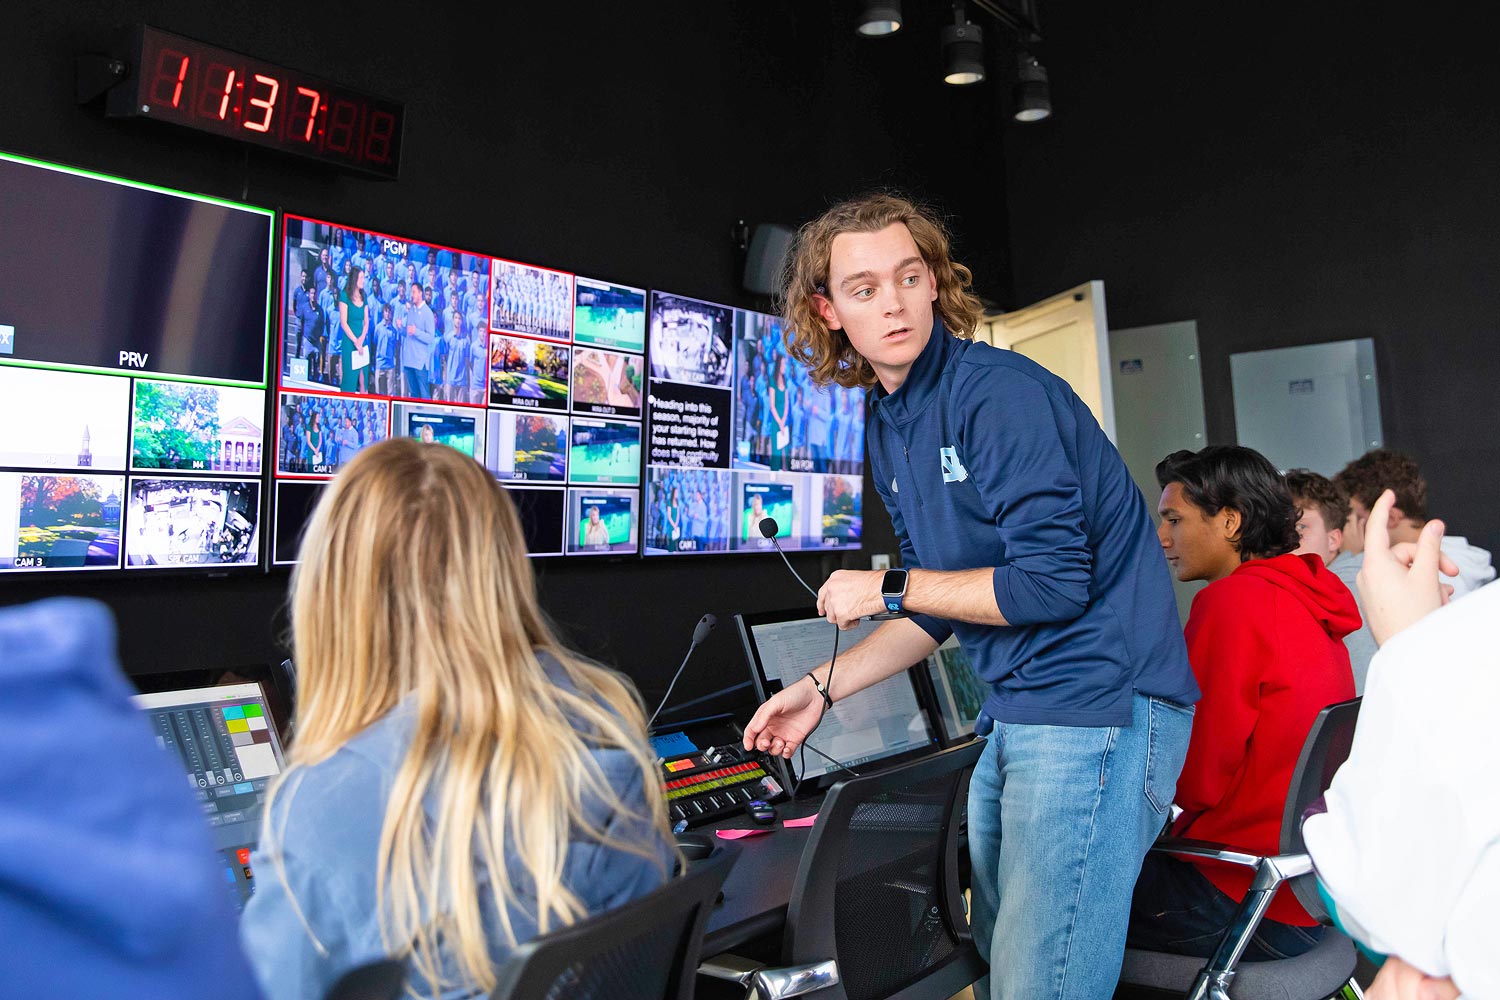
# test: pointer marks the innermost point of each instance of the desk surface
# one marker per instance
(759, 886)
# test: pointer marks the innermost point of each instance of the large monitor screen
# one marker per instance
(737, 432)
(134, 329)
(464, 350)
(106, 274)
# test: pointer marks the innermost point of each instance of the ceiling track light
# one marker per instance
(1033, 97)
(879, 17)
(963, 50)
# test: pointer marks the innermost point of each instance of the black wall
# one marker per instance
(618, 141)
(1284, 176)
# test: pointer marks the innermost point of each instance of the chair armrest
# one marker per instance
(729, 967)
(767, 983)
(1276, 870)
(1270, 871)
(1186, 847)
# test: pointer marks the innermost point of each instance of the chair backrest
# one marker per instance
(878, 886)
(382, 980)
(648, 948)
(1327, 747)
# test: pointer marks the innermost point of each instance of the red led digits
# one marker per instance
(341, 125)
(312, 112)
(223, 92)
(268, 102)
(213, 99)
(170, 75)
(378, 141)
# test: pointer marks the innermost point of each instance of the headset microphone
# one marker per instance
(700, 632)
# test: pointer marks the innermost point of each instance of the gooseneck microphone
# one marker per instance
(770, 528)
(700, 632)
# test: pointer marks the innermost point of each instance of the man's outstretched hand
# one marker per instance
(785, 720)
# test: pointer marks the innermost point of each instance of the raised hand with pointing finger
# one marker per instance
(1399, 584)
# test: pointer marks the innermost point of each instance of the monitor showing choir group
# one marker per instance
(135, 356)
(473, 352)
(737, 432)
(133, 346)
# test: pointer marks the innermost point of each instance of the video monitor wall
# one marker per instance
(469, 351)
(737, 432)
(134, 325)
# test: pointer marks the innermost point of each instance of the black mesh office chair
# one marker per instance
(647, 949)
(876, 912)
(382, 980)
(1325, 970)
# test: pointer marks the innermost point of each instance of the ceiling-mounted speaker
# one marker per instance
(765, 256)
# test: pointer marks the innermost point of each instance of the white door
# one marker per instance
(1066, 334)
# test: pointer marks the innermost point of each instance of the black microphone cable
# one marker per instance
(705, 625)
(769, 528)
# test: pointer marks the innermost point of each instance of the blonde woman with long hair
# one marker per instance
(459, 782)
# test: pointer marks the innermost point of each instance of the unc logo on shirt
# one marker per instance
(953, 469)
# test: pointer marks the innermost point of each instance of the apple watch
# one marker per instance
(893, 589)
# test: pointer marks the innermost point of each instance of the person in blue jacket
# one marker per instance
(461, 782)
(108, 883)
(1023, 534)
(416, 345)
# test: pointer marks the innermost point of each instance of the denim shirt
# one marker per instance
(328, 817)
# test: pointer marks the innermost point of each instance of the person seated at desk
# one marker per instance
(460, 782)
(1265, 639)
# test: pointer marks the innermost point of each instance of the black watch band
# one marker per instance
(893, 588)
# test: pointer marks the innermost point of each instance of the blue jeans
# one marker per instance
(1059, 820)
(416, 383)
(1177, 910)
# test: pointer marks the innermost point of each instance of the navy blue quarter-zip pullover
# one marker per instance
(986, 459)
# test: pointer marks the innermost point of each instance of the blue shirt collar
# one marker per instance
(921, 384)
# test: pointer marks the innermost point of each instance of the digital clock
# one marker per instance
(176, 79)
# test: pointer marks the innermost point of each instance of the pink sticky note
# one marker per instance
(740, 834)
(804, 821)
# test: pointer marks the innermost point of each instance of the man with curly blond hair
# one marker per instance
(1022, 533)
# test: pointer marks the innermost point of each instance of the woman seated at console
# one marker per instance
(459, 782)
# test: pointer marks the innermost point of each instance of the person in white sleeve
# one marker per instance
(1407, 850)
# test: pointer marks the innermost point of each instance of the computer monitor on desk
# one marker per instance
(228, 748)
(880, 726)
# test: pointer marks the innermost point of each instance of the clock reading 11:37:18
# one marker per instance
(215, 90)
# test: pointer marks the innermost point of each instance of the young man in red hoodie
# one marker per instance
(1265, 642)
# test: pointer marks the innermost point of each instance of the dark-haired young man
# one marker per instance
(1264, 638)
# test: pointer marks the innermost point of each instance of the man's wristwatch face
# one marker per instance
(893, 588)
